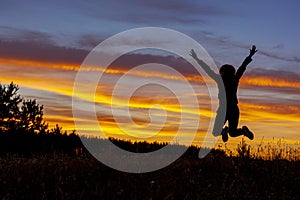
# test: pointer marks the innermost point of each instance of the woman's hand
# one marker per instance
(252, 51)
(193, 54)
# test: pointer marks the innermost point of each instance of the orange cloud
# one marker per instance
(59, 77)
(264, 81)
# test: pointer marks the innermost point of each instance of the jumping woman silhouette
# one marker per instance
(230, 78)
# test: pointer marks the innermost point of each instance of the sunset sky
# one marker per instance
(43, 44)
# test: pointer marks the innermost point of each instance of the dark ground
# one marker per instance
(214, 177)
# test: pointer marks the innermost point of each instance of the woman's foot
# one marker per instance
(224, 134)
(247, 133)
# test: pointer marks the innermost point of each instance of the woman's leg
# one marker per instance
(220, 120)
(233, 121)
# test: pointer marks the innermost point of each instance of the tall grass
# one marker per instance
(271, 150)
(266, 171)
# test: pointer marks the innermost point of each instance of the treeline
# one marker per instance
(52, 141)
(145, 147)
(24, 131)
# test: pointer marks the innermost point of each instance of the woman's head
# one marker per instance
(227, 70)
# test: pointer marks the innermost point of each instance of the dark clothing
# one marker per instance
(231, 86)
(231, 83)
(233, 120)
(232, 116)
(231, 107)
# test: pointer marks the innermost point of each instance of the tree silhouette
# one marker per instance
(18, 115)
(9, 101)
(24, 131)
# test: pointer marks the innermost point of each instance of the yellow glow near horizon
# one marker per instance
(262, 117)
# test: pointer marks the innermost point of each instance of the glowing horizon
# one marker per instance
(259, 113)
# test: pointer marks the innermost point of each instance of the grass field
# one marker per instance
(217, 176)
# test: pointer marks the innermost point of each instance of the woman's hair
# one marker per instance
(227, 70)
